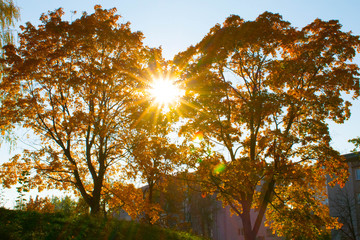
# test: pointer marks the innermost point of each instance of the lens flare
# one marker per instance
(219, 168)
(198, 137)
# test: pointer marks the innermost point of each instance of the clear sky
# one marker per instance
(177, 24)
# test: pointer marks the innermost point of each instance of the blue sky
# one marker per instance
(177, 24)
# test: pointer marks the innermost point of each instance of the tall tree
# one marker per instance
(74, 84)
(9, 14)
(262, 91)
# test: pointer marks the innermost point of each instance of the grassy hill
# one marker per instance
(37, 226)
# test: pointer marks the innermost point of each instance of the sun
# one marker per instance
(165, 92)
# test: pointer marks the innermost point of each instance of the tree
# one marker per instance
(43, 205)
(356, 142)
(66, 205)
(344, 208)
(9, 14)
(261, 91)
(74, 84)
(154, 160)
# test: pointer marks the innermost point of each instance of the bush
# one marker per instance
(28, 225)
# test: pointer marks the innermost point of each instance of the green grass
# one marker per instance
(22, 225)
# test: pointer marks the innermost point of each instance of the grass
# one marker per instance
(23, 225)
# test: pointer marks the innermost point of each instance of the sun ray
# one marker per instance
(165, 93)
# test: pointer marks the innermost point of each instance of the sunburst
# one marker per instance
(165, 93)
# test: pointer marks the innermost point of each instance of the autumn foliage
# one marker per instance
(253, 120)
(74, 84)
(261, 92)
(42, 205)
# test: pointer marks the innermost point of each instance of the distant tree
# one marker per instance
(65, 205)
(261, 92)
(202, 211)
(344, 208)
(43, 205)
(74, 84)
(9, 14)
(154, 160)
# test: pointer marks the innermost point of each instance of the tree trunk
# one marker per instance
(95, 208)
(96, 197)
(96, 193)
(249, 232)
(150, 200)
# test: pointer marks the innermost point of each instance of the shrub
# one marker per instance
(30, 225)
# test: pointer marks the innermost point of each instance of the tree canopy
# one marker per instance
(258, 95)
(9, 14)
(74, 84)
(261, 92)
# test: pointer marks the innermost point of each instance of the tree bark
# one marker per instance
(94, 207)
(249, 232)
